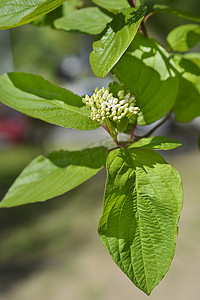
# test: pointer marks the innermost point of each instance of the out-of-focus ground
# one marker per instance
(51, 250)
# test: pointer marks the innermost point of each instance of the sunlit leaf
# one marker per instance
(148, 72)
(142, 204)
(18, 12)
(91, 20)
(187, 105)
(45, 178)
(110, 46)
(183, 37)
(38, 98)
(156, 142)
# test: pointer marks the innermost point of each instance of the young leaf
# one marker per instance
(118, 34)
(187, 105)
(178, 12)
(142, 204)
(38, 98)
(91, 20)
(112, 4)
(156, 142)
(148, 72)
(18, 12)
(45, 178)
(183, 37)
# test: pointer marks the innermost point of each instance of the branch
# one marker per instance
(148, 16)
(144, 30)
(132, 3)
(133, 131)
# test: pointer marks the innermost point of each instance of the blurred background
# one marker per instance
(51, 250)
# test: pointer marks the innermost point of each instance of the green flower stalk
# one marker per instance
(103, 105)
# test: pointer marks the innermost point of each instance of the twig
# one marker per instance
(102, 125)
(132, 3)
(148, 16)
(144, 30)
(133, 131)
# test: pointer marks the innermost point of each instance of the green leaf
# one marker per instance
(122, 125)
(38, 98)
(118, 34)
(156, 142)
(91, 20)
(142, 204)
(187, 105)
(45, 178)
(148, 72)
(178, 12)
(67, 7)
(194, 57)
(18, 12)
(112, 4)
(183, 37)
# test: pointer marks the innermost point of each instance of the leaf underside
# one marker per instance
(142, 204)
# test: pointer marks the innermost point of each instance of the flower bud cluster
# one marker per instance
(102, 104)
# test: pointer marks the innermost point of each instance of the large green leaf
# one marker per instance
(183, 37)
(45, 178)
(38, 98)
(187, 105)
(142, 204)
(178, 12)
(147, 71)
(112, 4)
(118, 34)
(91, 20)
(156, 142)
(18, 12)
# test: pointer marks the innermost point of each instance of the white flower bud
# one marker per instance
(122, 102)
(102, 105)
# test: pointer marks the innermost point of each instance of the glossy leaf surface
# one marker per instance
(110, 46)
(18, 12)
